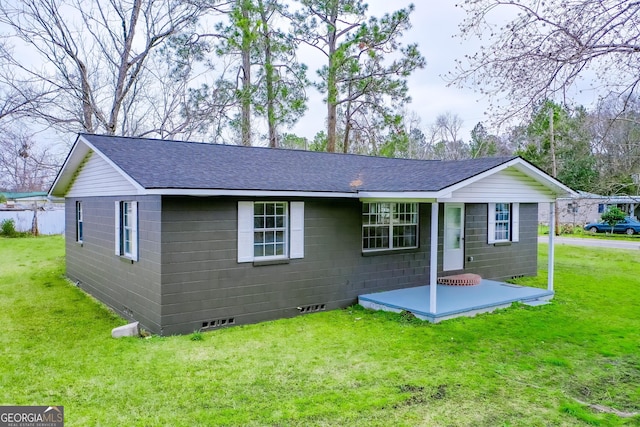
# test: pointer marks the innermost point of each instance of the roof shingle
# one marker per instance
(163, 164)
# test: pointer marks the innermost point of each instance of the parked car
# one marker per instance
(627, 225)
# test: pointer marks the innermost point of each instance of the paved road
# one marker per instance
(616, 244)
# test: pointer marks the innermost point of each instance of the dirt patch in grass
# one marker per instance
(611, 383)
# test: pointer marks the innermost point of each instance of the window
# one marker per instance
(270, 230)
(503, 222)
(127, 229)
(79, 222)
(389, 226)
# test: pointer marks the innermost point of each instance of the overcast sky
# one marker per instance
(434, 25)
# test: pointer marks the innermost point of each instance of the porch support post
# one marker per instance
(552, 233)
(433, 263)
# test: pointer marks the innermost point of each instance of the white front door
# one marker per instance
(453, 256)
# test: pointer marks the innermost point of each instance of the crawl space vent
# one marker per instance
(311, 308)
(218, 323)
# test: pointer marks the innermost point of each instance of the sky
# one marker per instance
(434, 25)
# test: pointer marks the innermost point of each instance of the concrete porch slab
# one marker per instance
(453, 301)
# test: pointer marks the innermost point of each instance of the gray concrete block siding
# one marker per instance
(206, 282)
(188, 275)
(501, 261)
(132, 289)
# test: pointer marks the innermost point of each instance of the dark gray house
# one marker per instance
(187, 236)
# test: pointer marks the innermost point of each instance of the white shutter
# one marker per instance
(297, 230)
(245, 231)
(117, 228)
(491, 223)
(134, 231)
(515, 222)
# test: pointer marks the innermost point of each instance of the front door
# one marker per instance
(453, 256)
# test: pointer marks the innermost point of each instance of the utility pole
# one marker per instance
(554, 165)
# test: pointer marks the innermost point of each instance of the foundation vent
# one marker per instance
(127, 312)
(217, 323)
(312, 308)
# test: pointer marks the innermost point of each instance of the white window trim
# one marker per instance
(119, 243)
(391, 225)
(514, 224)
(294, 240)
(79, 222)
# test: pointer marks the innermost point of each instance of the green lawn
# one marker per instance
(518, 367)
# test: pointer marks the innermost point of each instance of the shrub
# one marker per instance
(8, 228)
(613, 216)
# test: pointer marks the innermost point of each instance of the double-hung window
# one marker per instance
(503, 222)
(270, 230)
(79, 222)
(389, 225)
(127, 229)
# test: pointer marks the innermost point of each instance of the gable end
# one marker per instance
(96, 177)
(507, 185)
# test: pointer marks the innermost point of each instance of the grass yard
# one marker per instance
(521, 366)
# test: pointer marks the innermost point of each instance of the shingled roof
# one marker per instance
(163, 164)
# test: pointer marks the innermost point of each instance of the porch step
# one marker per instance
(535, 302)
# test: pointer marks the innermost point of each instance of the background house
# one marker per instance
(184, 236)
(21, 208)
(588, 207)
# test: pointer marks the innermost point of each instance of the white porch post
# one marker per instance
(552, 233)
(433, 264)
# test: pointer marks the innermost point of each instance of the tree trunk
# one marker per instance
(122, 87)
(34, 222)
(246, 80)
(332, 88)
(268, 73)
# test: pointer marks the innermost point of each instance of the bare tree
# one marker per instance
(444, 138)
(93, 59)
(546, 46)
(24, 166)
(616, 144)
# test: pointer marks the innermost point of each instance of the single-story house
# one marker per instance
(187, 236)
(587, 207)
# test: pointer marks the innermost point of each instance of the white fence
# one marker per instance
(49, 222)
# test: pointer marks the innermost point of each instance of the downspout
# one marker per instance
(433, 264)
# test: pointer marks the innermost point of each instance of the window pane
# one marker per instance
(270, 208)
(270, 222)
(268, 250)
(258, 250)
(258, 222)
(280, 249)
